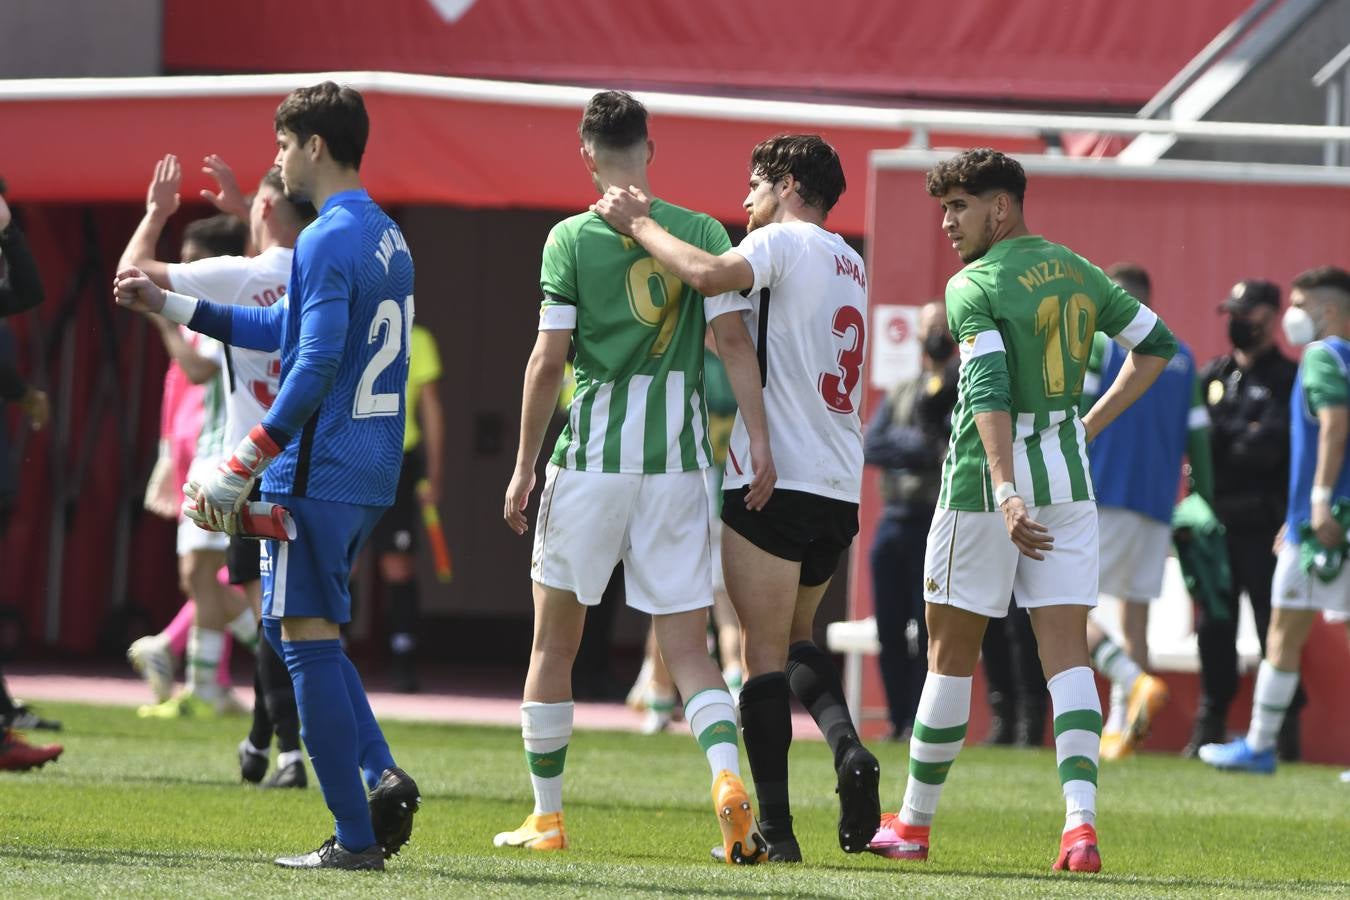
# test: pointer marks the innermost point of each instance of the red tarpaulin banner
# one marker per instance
(1196, 227)
(1085, 52)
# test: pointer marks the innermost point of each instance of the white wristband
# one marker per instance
(1321, 494)
(1004, 491)
(178, 307)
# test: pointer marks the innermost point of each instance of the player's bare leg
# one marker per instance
(1061, 634)
(954, 637)
(659, 693)
(728, 626)
(682, 641)
(546, 716)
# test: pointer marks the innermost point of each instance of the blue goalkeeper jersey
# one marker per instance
(1323, 381)
(1136, 460)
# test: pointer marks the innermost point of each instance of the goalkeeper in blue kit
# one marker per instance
(330, 447)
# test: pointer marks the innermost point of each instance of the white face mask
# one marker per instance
(1299, 327)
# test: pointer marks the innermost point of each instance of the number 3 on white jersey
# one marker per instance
(396, 330)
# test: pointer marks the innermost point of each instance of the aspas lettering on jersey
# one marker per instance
(638, 330)
(351, 449)
(1024, 315)
(807, 320)
(249, 379)
(1323, 381)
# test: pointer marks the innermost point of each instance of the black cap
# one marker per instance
(1248, 295)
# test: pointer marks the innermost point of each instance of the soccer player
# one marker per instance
(1310, 571)
(330, 446)
(809, 311)
(419, 482)
(626, 478)
(1016, 512)
(1137, 465)
(217, 612)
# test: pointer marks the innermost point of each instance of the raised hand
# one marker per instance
(162, 197)
(133, 289)
(621, 206)
(229, 199)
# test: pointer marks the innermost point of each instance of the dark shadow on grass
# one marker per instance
(135, 858)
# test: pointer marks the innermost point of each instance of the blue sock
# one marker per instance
(373, 750)
(328, 726)
(272, 634)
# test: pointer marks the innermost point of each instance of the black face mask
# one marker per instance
(1244, 334)
(939, 346)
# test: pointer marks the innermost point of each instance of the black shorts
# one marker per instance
(242, 556)
(795, 525)
(396, 532)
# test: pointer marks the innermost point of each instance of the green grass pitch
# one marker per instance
(154, 809)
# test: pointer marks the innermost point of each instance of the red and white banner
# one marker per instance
(1087, 52)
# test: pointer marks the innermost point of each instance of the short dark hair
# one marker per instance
(613, 120)
(812, 163)
(976, 171)
(336, 114)
(302, 210)
(218, 235)
(1133, 277)
(1324, 277)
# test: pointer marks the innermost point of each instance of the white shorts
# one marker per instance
(1134, 552)
(972, 564)
(1293, 588)
(190, 537)
(656, 524)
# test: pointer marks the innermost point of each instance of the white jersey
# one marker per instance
(808, 319)
(249, 379)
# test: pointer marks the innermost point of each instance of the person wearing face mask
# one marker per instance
(1310, 571)
(907, 440)
(1247, 394)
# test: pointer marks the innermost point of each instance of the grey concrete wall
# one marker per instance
(1280, 89)
(56, 38)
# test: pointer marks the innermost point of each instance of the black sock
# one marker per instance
(279, 697)
(260, 734)
(815, 682)
(402, 617)
(766, 726)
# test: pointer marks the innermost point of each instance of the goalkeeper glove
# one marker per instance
(219, 500)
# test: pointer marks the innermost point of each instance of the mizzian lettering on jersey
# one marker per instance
(391, 242)
(845, 266)
(1049, 270)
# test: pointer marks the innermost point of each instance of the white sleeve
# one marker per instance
(769, 251)
(217, 278)
(731, 301)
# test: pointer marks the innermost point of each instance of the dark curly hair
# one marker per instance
(336, 114)
(811, 161)
(614, 120)
(976, 171)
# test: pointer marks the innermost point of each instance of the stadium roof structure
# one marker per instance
(475, 143)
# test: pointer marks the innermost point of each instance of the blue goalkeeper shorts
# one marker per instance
(308, 576)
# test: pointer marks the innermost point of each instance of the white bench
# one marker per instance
(1171, 636)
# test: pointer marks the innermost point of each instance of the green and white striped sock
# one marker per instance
(1274, 692)
(712, 718)
(1078, 738)
(204, 648)
(547, 730)
(1112, 661)
(939, 733)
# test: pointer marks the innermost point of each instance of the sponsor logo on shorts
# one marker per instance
(930, 586)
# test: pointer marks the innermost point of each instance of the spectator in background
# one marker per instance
(1310, 571)
(1247, 393)
(907, 439)
(419, 483)
(20, 290)
(1137, 464)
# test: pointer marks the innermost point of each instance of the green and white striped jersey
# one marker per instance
(638, 332)
(1024, 316)
(213, 442)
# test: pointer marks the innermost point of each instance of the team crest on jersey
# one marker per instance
(1216, 392)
